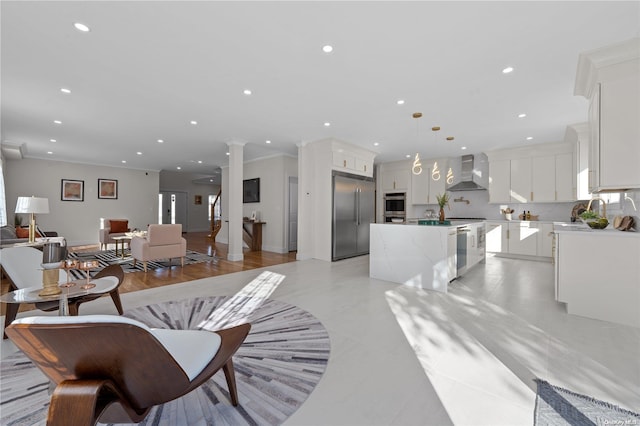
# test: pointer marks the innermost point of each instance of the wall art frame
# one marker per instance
(72, 190)
(108, 189)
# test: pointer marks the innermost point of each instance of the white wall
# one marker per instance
(197, 214)
(79, 222)
(274, 173)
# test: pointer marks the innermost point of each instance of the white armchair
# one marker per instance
(161, 242)
(112, 228)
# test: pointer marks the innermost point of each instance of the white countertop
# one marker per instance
(583, 228)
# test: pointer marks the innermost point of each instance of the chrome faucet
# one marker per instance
(461, 200)
(604, 205)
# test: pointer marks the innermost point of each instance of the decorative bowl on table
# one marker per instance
(599, 223)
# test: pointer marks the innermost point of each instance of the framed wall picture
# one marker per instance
(108, 188)
(198, 199)
(72, 190)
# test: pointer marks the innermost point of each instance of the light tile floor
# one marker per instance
(404, 356)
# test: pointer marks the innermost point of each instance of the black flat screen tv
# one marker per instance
(251, 190)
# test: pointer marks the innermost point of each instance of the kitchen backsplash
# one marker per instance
(624, 204)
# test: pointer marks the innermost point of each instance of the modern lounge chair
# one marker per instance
(114, 369)
(22, 267)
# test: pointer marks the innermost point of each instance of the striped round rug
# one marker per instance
(277, 368)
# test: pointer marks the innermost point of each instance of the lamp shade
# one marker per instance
(32, 205)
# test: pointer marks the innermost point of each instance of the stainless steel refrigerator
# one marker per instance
(353, 210)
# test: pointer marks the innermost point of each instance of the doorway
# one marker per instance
(293, 214)
(172, 208)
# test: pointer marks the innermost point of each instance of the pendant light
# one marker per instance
(417, 165)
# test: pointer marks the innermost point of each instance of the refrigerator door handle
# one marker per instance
(357, 206)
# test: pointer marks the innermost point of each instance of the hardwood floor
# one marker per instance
(196, 241)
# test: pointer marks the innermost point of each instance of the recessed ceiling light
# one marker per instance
(81, 27)
(400, 101)
(199, 161)
(227, 153)
(65, 90)
(464, 147)
(327, 124)
(507, 70)
(450, 138)
(49, 152)
(376, 143)
(160, 141)
(194, 122)
(246, 92)
(139, 153)
(529, 138)
(57, 121)
(267, 141)
(179, 168)
(522, 115)
(327, 48)
(124, 161)
(52, 140)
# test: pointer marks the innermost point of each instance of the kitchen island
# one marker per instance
(597, 273)
(414, 255)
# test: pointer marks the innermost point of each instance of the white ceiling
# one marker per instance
(147, 68)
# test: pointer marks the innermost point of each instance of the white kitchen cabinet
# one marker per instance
(541, 174)
(519, 238)
(615, 152)
(500, 181)
(610, 79)
(351, 162)
(553, 178)
(475, 251)
(521, 180)
(496, 240)
(523, 238)
(566, 178)
(429, 183)
(545, 239)
(395, 180)
(598, 275)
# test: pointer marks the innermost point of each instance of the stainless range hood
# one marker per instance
(468, 176)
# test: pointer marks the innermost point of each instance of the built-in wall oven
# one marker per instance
(395, 207)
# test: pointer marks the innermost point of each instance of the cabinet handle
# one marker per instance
(556, 196)
(344, 163)
(507, 234)
(365, 167)
(394, 184)
(531, 195)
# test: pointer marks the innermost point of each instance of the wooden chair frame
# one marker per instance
(114, 372)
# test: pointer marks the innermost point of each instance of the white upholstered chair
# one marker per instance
(108, 232)
(161, 242)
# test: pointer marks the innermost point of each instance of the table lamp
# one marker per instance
(32, 205)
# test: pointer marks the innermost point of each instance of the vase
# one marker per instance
(441, 217)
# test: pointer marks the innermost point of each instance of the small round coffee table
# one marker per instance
(121, 239)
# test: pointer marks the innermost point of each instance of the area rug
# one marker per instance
(108, 257)
(277, 368)
(557, 406)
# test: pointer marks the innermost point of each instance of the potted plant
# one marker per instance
(443, 200)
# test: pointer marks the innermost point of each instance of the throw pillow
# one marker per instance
(24, 233)
(117, 226)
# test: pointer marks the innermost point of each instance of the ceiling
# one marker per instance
(146, 69)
